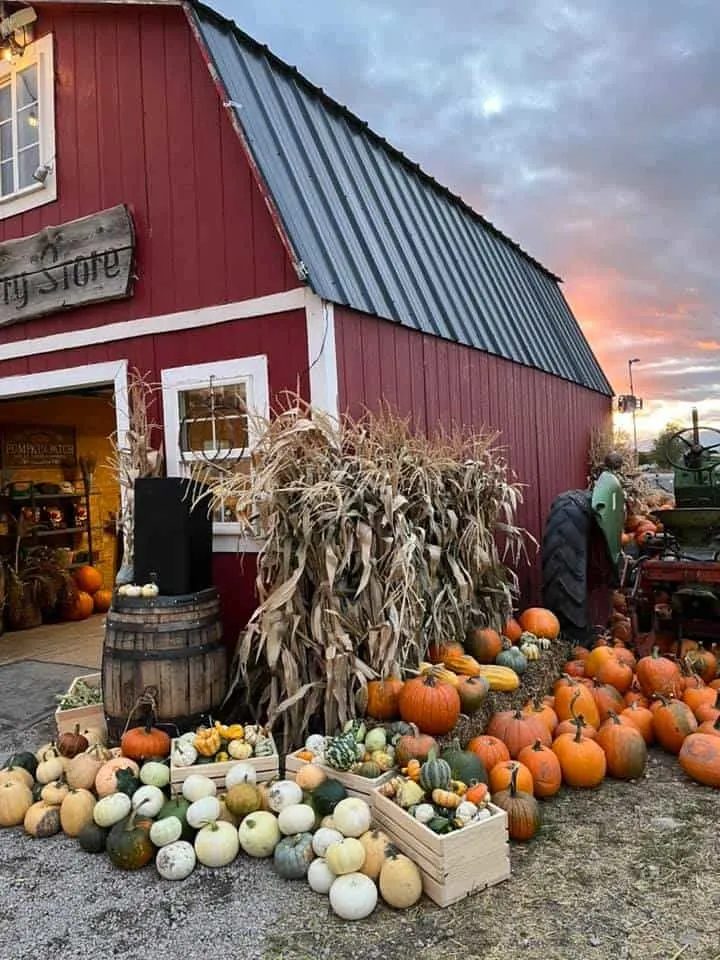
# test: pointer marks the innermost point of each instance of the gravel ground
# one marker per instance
(626, 871)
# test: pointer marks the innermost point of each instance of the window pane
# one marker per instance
(5, 102)
(28, 162)
(27, 86)
(7, 180)
(28, 127)
(213, 420)
(211, 474)
(6, 141)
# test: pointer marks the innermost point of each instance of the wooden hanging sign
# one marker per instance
(84, 261)
(30, 446)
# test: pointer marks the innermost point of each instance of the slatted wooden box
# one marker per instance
(266, 769)
(92, 715)
(356, 786)
(453, 865)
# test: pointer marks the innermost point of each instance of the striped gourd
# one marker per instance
(463, 664)
(500, 678)
(340, 752)
(435, 774)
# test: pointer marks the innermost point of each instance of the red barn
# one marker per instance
(176, 199)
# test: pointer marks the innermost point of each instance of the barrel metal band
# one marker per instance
(179, 653)
(174, 626)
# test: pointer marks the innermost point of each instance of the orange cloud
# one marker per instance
(707, 344)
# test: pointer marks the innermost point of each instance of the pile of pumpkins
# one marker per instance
(89, 597)
(220, 743)
(456, 677)
(117, 802)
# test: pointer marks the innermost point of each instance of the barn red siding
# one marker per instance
(139, 121)
(544, 422)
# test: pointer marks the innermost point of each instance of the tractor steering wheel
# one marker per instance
(694, 451)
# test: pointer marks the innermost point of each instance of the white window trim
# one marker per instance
(40, 52)
(227, 537)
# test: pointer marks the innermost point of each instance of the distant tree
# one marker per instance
(645, 457)
(664, 448)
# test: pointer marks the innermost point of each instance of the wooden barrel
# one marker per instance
(174, 644)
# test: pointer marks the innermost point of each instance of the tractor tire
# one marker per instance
(565, 553)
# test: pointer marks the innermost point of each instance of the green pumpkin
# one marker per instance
(129, 846)
(341, 752)
(435, 774)
(178, 807)
(357, 728)
(25, 759)
(93, 838)
(511, 657)
(464, 765)
(369, 769)
(126, 781)
(327, 796)
(440, 825)
(293, 855)
(399, 729)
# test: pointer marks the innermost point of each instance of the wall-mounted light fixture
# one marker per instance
(15, 31)
(42, 172)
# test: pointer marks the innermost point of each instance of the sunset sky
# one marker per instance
(587, 131)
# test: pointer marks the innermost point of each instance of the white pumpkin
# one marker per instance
(217, 844)
(320, 876)
(183, 753)
(315, 743)
(111, 809)
(345, 856)
(132, 590)
(148, 800)
(166, 831)
(176, 861)
(188, 737)
(155, 774)
(51, 769)
(296, 818)
(322, 839)
(353, 896)
(240, 773)
(352, 817)
(424, 812)
(149, 590)
(283, 793)
(203, 811)
(197, 786)
(259, 834)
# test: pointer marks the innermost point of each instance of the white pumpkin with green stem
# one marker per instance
(240, 773)
(345, 856)
(353, 896)
(259, 834)
(296, 818)
(197, 786)
(283, 793)
(148, 800)
(111, 809)
(320, 876)
(155, 774)
(165, 831)
(217, 844)
(352, 817)
(203, 811)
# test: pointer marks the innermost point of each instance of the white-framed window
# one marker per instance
(208, 429)
(27, 129)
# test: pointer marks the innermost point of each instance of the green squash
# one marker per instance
(25, 759)
(93, 838)
(178, 807)
(327, 796)
(127, 782)
(440, 825)
(464, 765)
(129, 846)
(511, 657)
(436, 774)
(369, 769)
(293, 855)
(341, 752)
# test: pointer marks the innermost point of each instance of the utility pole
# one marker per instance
(634, 404)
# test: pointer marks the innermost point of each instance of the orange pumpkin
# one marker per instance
(512, 630)
(484, 644)
(501, 775)
(544, 712)
(624, 746)
(88, 579)
(709, 711)
(703, 663)
(145, 743)
(711, 727)
(582, 761)
(607, 699)
(518, 730)
(570, 726)
(598, 655)
(383, 699)
(540, 621)
(81, 606)
(642, 719)
(572, 700)
(434, 707)
(696, 697)
(491, 750)
(544, 767)
(673, 721)
(616, 673)
(101, 600)
(700, 758)
(658, 675)
(437, 654)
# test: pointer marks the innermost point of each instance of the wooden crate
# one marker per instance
(356, 786)
(453, 865)
(90, 716)
(266, 768)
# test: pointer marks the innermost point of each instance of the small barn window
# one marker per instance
(208, 414)
(27, 129)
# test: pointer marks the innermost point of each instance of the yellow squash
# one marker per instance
(463, 664)
(500, 678)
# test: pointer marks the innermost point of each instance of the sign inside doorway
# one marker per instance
(30, 447)
(60, 268)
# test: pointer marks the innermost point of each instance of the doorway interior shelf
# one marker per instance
(40, 531)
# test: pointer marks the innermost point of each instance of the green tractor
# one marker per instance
(672, 581)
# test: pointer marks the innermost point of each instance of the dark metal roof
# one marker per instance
(371, 230)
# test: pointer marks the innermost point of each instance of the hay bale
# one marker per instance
(537, 681)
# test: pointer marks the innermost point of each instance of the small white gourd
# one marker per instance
(217, 844)
(111, 809)
(183, 754)
(148, 800)
(320, 876)
(202, 811)
(353, 896)
(239, 750)
(424, 812)
(155, 774)
(133, 590)
(166, 831)
(352, 817)
(240, 773)
(296, 818)
(315, 743)
(176, 861)
(283, 793)
(322, 839)
(197, 786)
(465, 812)
(149, 590)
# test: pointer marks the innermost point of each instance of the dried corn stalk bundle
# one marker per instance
(376, 543)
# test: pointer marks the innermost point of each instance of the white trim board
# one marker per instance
(322, 354)
(164, 323)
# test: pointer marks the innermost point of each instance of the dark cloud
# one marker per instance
(601, 161)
